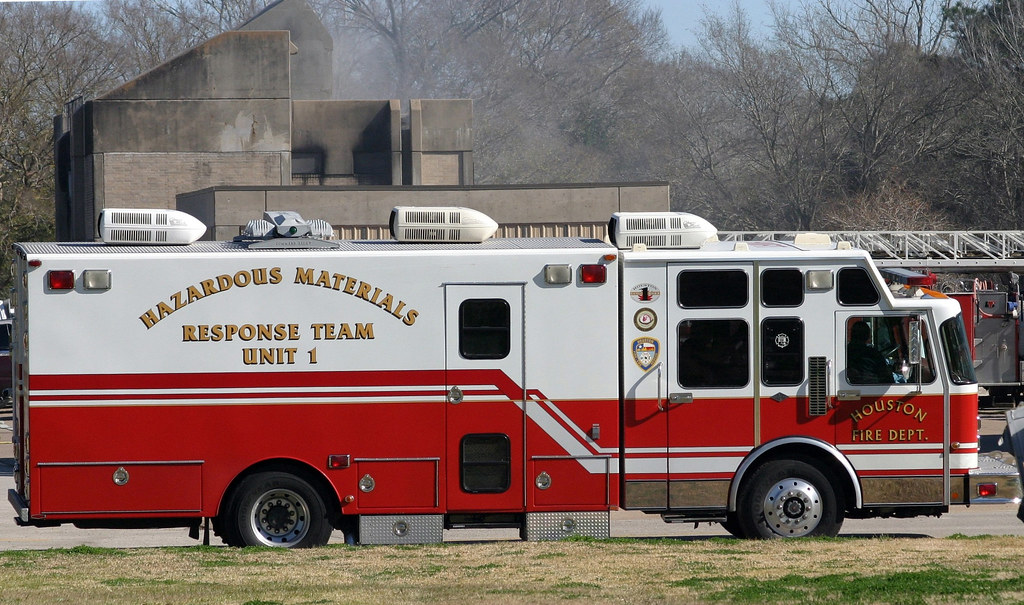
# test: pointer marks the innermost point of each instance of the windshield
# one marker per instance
(958, 354)
(5, 336)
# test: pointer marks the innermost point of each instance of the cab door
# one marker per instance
(485, 381)
(889, 412)
(710, 380)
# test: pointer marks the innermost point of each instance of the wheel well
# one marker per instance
(817, 457)
(294, 467)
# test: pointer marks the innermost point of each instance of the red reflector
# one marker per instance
(61, 280)
(593, 274)
(35, 262)
(339, 461)
(987, 490)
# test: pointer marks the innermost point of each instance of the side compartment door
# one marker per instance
(710, 381)
(485, 380)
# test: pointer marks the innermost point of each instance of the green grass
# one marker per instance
(884, 570)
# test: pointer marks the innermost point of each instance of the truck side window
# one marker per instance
(485, 328)
(782, 288)
(782, 351)
(856, 287)
(701, 289)
(713, 353)
(877, 351)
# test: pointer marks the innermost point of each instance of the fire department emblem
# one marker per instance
(782, 340)
(644, 293)
(645, 352)
(645, 319)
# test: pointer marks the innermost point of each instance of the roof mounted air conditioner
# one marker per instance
(659, 230)
(148, 226)
(440, 224)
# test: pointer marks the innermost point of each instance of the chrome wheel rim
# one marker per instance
(280, 517)
(792, 508)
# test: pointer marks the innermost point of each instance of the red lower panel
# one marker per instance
(398, 484)
(569, 484)
(165, 489)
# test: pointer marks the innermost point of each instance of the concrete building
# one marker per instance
(249, 110)
(362, 213)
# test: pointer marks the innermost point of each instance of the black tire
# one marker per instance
(276, 509)
(732, 525)
(789, 499)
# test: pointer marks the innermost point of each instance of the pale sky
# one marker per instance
(682, 17)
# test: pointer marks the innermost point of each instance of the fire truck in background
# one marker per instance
(992, 321)
(285, 385)
(991, 313)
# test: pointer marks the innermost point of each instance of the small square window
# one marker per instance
(485, 327)
(782, 288)
(486, 463)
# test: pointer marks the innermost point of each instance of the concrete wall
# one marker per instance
(357, 139)
(313, 47)
(359, 213)
(204, 118)
(439, 146)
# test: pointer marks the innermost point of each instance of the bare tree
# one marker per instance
(990, 160)
(48, 54)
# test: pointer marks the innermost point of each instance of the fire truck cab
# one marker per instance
(284, 385)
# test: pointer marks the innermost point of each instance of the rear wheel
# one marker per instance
(789, 499)
(277, 509)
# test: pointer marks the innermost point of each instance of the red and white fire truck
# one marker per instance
(284, 386)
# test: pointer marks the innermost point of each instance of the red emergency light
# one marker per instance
(908, 277)
(593, 274)
(987, 490)
(61, 279)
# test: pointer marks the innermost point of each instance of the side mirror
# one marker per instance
(915, 343)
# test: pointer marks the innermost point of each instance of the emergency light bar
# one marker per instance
(659, 230)
(440, 224)
(141, 226)
(285, 223)
(282, 229)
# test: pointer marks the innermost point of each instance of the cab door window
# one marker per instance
(782, 351)
(877, 351)
(707, 289)
(713, 353)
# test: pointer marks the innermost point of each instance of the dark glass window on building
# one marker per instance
(701, 289)
(713, 353)
(485, 327)
(856, 287)
(782, 287)
(782, 351)
(486, 463)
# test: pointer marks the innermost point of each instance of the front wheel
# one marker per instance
(789, 499)
(277, 509)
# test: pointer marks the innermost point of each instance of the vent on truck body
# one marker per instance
(659, 230)
(449, 224)
(141, 226)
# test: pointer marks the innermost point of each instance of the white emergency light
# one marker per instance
(440, 224)
(659, 230)
(285, 223)
(142, 226)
